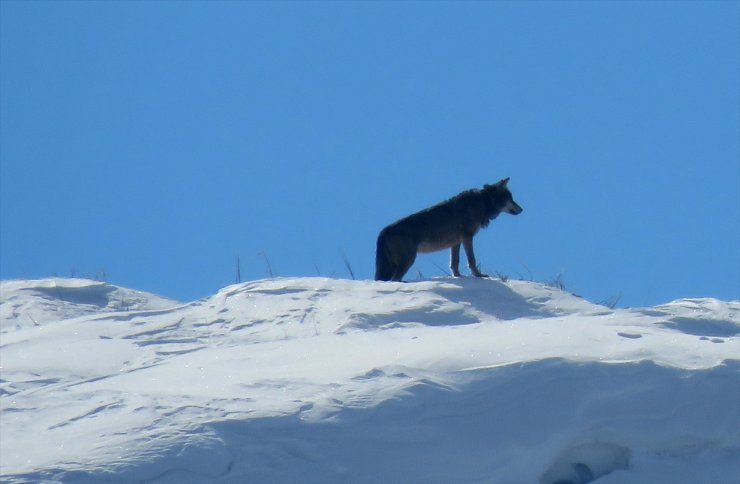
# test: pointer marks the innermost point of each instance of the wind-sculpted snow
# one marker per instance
(35, 303)
(323, 380)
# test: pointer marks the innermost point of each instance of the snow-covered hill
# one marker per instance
(324, 380)
(35, 303)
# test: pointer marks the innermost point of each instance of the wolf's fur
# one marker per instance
(445, 225)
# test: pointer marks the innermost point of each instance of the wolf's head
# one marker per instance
(501, 199)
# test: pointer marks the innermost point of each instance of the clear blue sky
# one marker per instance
(156, 141)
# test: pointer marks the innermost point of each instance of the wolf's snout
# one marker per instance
(514, 208)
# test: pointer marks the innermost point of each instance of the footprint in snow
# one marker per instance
(630, 335)
(585, 463)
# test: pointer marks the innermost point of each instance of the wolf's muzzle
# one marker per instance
(513, 208)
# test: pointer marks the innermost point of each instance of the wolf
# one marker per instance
(448, 224)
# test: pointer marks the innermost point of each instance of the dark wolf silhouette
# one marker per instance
(445, 225)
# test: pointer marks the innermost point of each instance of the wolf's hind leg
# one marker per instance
(404, 265)
(383, 272)
(385, 268)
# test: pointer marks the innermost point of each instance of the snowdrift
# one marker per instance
(324, 380)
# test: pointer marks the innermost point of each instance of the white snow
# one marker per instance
(325, 380)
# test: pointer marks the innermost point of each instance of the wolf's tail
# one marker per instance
(384, 268)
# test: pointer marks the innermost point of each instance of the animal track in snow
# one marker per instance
(585, 463)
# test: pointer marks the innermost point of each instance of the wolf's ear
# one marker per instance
(504, 181)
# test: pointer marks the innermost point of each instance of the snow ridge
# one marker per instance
(325, 380)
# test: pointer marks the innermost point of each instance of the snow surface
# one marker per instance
(325, 380)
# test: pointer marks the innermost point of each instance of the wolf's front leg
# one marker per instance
(472, 264)
(455, 260)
